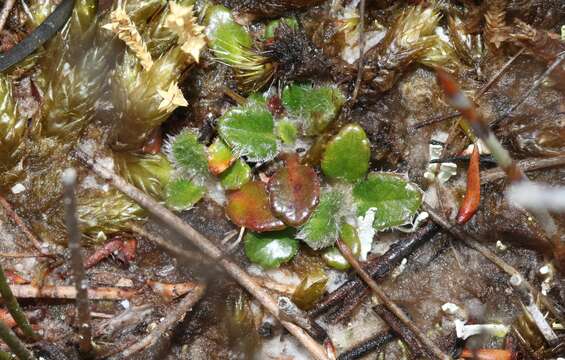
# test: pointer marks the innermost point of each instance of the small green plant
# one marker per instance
(347, 155)
(272, 249)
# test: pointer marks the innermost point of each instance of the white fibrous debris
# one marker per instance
(125, 304)
(216, 192)
(455, 310)
(465, 331)
(124, 282)
(107, 162)
(483, 149)
(366, 232)
(537, 197)
(500, 246)
(421, 217)
(547, 272)
(335, 279)
(443, 171)
(400, 269)
(18, 188)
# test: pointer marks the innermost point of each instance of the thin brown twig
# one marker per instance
(160, 241)
(477, 96)
(534, 86)
(468, 240)
(8, 5)
(168, 323)
(431, 348)
(21, 224)
(207, 247)
(69, 179)
(527, 165)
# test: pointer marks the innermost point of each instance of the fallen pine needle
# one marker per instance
(69, 292)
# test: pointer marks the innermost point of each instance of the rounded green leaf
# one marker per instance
(270, 250)
(311, 289)
(316, 107)
(287, 132)
(249, 207)
(236, 176)
(220, 157)
(347, 155)
(182, 194)
(188, 155)
(249, 131)
(294, 191)
(395, 199)
(322, 228)
(332, 256)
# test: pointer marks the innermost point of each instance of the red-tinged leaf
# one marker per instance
(473, 196)
(249, 207)
(294, 192)
(220, 157)
(15, 278)
(129, 249)
(486, 354)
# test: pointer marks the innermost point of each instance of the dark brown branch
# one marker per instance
(207, 247)
(527, 165)
(400, 330)
(376, 342)
(378, 268)
(431, 349)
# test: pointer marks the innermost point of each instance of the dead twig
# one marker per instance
(14, 308)
(206, 246)
(69, 292)
(478, 94)
(467, 239)
(69, 179)
(15, 344)
(400, 330)
(168, 323)
(527, 165)
(378, 268)
(21, 224)
(534, 86)
(6, 9)
(430, 347)
(169, 292)
(367, 346)
(160, 241)
(500, 154)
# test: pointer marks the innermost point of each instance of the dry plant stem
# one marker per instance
(361, 64)
(479, 93)
(458, 233)
(430, 347)
(208, 248)
(15, 344)
(69, 292)
(159, 241)
(8, 5)
(400, 330)
(168, 323)
(354, 291)
(20, 223)
(526, 165)
(500, 154)
(527, 298)
(69, 180)
(367, 346)
(534, 86)
(14, 308)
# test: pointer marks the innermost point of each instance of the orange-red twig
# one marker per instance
(473, 196)
(486, 354)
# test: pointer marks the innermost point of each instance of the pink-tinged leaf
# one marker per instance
(249, 207)
(294, 192)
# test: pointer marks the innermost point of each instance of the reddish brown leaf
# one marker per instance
(103, 252)
(294, 192)
(249, 207)
(129, 248)
(473, 196)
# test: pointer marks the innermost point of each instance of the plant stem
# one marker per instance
(86, 349)
(207, 247)
(14, 308)
(501, 155)
(431, 348)
(15, 344)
